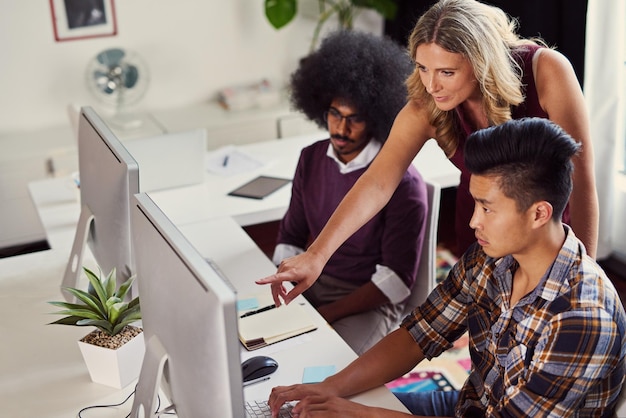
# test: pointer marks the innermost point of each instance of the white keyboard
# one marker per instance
(260, 409)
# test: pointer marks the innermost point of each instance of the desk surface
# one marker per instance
(279, 158)
(210, 199)
(42, 371)
(46, 376)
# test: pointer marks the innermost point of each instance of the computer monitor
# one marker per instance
(189, 317)
(109, 176)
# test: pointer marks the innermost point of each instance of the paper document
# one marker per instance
(227, 161)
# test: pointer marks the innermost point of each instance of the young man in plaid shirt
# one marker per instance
(547, 329)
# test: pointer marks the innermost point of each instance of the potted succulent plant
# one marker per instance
(113, 351)
(281, 12)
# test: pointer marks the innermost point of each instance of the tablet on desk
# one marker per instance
(260, 187)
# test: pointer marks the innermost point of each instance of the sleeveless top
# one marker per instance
(529, 108)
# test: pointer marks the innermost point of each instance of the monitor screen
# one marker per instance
(109, 176)
(190, 323)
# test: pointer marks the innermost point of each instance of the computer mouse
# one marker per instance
(257, 367)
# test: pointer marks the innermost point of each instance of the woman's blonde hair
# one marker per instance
(487, 37)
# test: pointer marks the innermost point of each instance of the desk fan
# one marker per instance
(118, 78)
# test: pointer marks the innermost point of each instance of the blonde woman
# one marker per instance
(472, 71)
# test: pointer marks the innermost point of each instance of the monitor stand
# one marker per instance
(148, 385)
(74, 265)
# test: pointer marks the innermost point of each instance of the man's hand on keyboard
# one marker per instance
(314, 397)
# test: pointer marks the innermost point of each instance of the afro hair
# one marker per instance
(367, 70)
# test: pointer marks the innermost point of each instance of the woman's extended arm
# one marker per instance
(561, 97)
(366, 198)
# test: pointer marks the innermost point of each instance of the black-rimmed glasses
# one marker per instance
(334, 117)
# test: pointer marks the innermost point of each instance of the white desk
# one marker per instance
(280, 157)
(210, 199)
(42, 371)
(56, 376)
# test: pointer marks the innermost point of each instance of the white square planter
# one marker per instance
(116, 368)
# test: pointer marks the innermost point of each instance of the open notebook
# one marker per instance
(261, 323)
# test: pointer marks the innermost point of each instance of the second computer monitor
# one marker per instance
(190, 323)
(109, 176)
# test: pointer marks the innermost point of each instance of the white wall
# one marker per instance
(192, 47)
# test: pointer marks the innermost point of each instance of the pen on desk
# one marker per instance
(266, 308)
(260, 379)
(225, 162)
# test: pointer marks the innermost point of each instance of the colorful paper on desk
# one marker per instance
(422, 381)
(247, 304)
(228, 161)
(316, 374)
(272, 325)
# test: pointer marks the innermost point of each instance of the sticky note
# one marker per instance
(316, 374)
(246, 304)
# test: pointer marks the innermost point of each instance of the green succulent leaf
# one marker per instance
(280, 12)
(68, 320)
(119, 327)
(97, 285)
(110, 284)
(102, 324)
(88, 300)
(81, 313)
(115, 311)
(67, 305)
(134, 303)
(112, 301)
(125, 287)
(131, 313)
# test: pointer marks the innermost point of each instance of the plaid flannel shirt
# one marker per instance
(558, 352)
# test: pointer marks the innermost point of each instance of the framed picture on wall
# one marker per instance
(81, 19)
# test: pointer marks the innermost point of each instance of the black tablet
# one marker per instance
(259, 187)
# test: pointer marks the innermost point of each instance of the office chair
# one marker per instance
(427, 269)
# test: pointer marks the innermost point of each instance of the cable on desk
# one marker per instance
(166, 411)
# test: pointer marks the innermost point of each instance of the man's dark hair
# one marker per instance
(366, 70)
(532, 157)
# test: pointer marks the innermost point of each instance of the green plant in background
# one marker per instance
(281, 12)
(102, 305)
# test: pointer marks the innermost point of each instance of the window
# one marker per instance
(623, 159)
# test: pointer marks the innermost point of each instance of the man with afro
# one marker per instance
(353, 86)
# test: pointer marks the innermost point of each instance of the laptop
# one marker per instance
(169, 160)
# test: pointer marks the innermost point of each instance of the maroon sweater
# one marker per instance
(392, 238)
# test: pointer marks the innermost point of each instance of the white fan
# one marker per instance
(118, 78)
